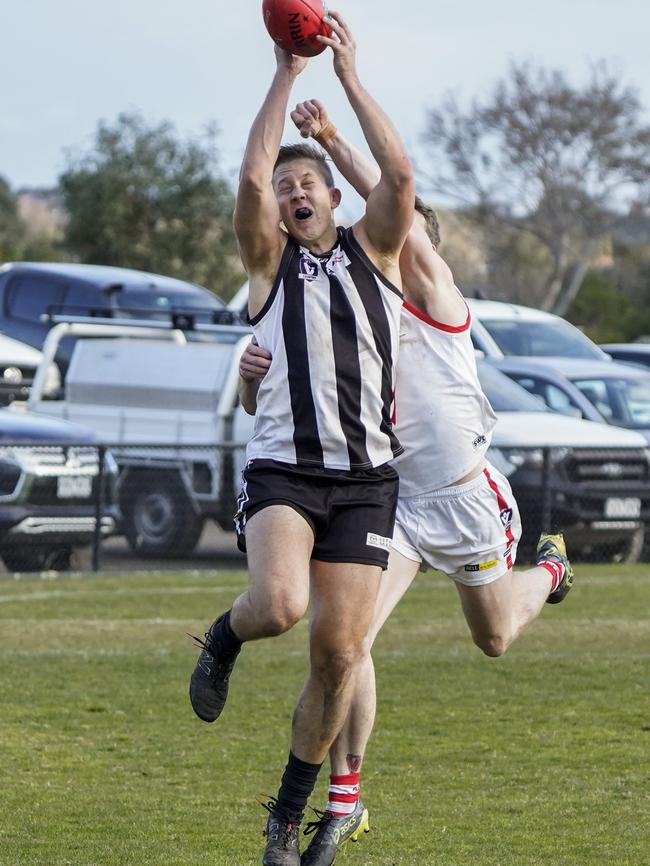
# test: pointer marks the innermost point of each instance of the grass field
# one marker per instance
(541, 757)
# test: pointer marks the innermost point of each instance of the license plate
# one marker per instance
(627, 507)
(74, 486)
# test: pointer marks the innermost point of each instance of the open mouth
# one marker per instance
(303, 213)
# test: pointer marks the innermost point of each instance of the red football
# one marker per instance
(294, 25)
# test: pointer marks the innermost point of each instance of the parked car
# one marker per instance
(31, 293)
(49, 472)
(165, 407)
(18, 363)
(501, 329)
(610, 392)
(630, 353)
(171, 415)
(589, 479)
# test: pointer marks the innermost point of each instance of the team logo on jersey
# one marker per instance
(480, 440)
(506, 516)
(308, 269)
(374, 540)
(481, 566)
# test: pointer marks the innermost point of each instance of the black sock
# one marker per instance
(298, 782)
(223, 633)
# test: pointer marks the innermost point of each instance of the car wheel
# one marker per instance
(630, 550)
(37, 559)
(626, 550)
(158, 518)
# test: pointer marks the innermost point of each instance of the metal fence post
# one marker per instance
(99, 508)
(547, 509)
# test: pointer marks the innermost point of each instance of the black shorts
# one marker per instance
(352, 514)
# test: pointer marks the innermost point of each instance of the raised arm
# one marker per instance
(426, 279)
(312, 120)
(389, 208)
(257, 219)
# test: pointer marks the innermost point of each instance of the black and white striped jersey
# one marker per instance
(331, 323)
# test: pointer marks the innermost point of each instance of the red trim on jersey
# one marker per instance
(501, 504)
(451, 329)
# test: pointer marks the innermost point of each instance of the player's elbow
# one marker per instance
(253, 182)
(401, 177)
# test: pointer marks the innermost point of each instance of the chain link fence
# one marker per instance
(84, 506)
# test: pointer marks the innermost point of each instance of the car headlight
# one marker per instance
(13, 375)
(530, 458)
(533, 458)
(10, 472)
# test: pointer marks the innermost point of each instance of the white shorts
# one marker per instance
(469, 532)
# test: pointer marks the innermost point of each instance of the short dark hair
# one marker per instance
(431, 220)
(289, 152)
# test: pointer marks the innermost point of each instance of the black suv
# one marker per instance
(31, 292)
(49, 476)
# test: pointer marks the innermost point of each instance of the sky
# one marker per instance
(66, 65)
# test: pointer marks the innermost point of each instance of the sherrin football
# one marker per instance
(294, 25)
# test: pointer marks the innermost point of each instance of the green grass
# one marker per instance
(537, 758)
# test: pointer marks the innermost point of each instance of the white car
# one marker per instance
(588, 479)
(500, 329)
(18, 363)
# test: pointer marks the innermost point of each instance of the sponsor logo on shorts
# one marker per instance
(506, 516)
(374, 540)
(480, 440)
(481, 566)
(308, 269)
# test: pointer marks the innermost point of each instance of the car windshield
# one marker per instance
(142, 299)
(555, 338)
(504, 394)
(623, 402)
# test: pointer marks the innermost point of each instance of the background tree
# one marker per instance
(12, 232)
(546, 169)
(20, 238)
(142, 198)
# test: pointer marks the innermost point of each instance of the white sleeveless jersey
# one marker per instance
(331, 323)
(442, 417)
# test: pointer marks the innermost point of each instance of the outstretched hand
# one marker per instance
(343, 46)
(292, 62)
(310, 118)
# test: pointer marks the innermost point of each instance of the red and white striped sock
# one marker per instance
(343, 794)
(555, 569)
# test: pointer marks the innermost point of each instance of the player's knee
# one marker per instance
(334, 665)
(280, 613)
(493, 645)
